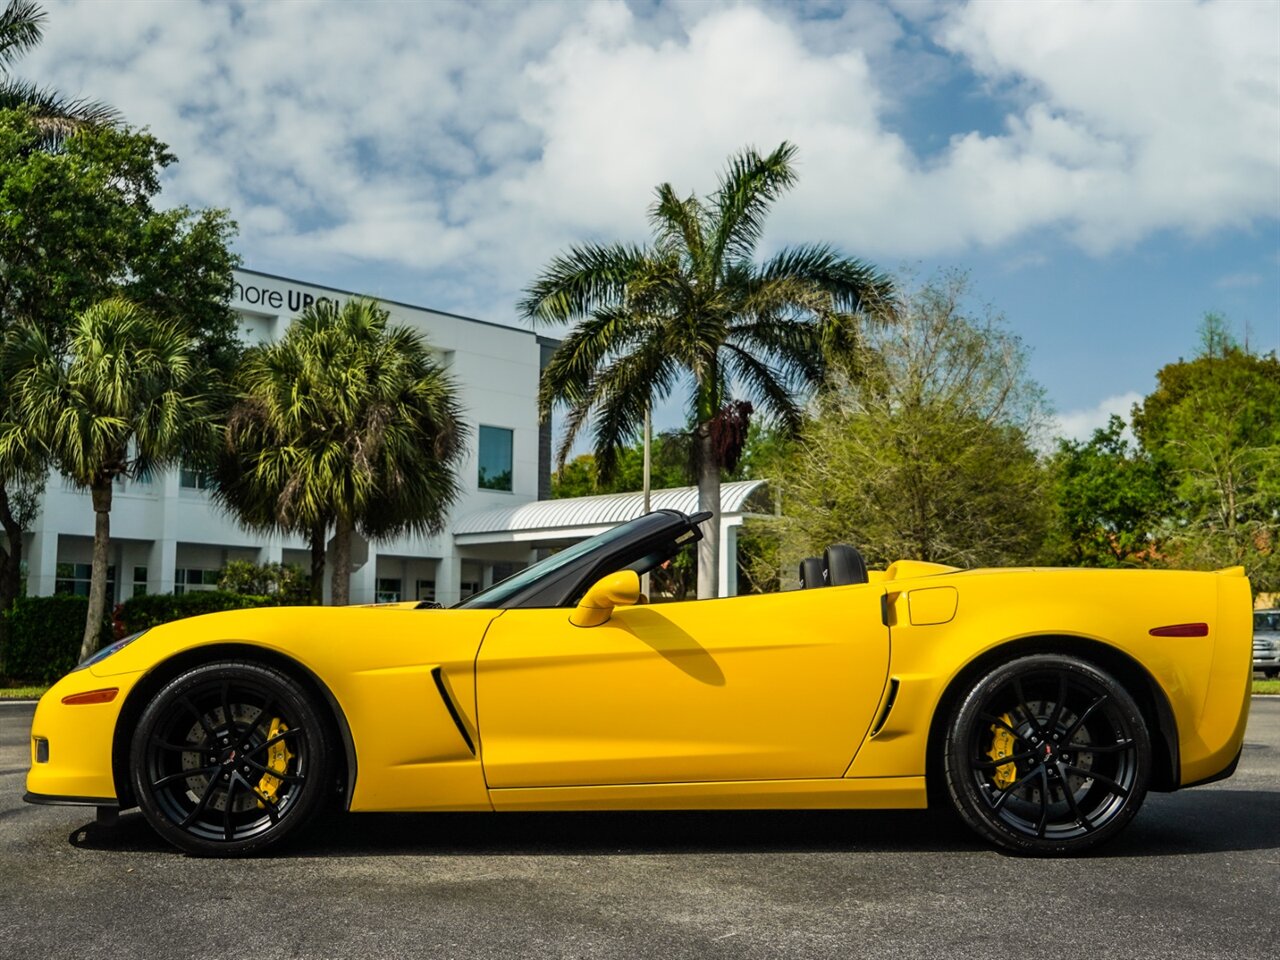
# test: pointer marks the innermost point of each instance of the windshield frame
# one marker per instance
(560, 579)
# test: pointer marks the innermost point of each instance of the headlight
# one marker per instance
(108, 650)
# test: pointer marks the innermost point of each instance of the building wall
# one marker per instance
(164, 526)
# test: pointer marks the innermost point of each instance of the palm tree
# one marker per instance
(21, 27)
(694, 309)
(123, 401)
(348, 422)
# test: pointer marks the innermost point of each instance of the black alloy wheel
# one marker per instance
(230, 758)
(1047, 755)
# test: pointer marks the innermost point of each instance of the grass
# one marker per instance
(1266, 686)
(23, 693)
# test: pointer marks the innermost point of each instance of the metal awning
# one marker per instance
(579, 517)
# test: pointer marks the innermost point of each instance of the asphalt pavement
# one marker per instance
(1196, 875)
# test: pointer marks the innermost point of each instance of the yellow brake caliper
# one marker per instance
(1002, 746)
(278, 757)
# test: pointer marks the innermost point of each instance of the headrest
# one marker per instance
(843, 566)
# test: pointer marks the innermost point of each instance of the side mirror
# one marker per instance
(621, 589)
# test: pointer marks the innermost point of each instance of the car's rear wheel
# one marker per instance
(1047, 755)
(229, 758)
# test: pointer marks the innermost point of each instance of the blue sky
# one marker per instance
(1107, 173)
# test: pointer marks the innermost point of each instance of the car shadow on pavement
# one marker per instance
(1195, 822)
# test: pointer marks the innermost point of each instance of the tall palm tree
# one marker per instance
(345, 421)
(694, 309)
(21, 27)
(122, 401)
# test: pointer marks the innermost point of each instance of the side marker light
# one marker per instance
(93, 696)
(1181, 630)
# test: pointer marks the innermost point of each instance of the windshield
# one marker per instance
(1267, 620)
(497, 594)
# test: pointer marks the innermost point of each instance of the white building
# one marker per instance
(168, 537)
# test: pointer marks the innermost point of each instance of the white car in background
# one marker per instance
(1266, 642)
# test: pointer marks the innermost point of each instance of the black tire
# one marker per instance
(1047, 755)
(226, 723)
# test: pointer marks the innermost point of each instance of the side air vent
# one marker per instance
(883, 718)
(449, 705)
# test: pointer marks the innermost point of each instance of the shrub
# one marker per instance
(139, 613)
(286, 582)
(45, 635)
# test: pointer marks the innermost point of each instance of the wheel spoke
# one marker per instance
(1080, 720)
(1099, 748)
(179, 747)
(204, 724)
(985, 764)
(264, 715)
(201, 805)
(183, 775)
(999, 722)
(285, 777)
(272, 813)
(1060, 705)
(249, 751)
(1008, 791)
(1026, 711)
(228, 829)
(1071, 802)
(227, 716)
(1044, 802)
(1106, 781)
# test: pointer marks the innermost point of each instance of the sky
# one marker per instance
(1107, 173)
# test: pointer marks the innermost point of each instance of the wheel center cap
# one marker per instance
(228, 757)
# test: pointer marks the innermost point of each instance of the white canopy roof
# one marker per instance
(579, 517)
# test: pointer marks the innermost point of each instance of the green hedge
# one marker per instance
(44, 635)
(138, 613)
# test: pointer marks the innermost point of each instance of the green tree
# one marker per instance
(694, 308)
(670, 466)
(345, 421)
(122, 400)
(79, 227)
(1213, 426)
(21, 28)
(930, 453)
(1108, 499)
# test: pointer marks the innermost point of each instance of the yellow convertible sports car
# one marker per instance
(1043, 704)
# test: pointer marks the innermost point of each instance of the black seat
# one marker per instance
(842, 566)
(811, 573)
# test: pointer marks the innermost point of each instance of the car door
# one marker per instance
(774, 686)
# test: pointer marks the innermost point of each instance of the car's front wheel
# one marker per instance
(1047, 755)
(229, 758)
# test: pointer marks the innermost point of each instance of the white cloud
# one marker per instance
(1080, 424)
(465, 144)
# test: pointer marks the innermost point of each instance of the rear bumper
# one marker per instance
(1222, 774)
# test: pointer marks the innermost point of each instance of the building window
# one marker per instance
(495, 458)
(193, 580)
(467, 588)
(190, 479)
(388, 591)
(74, 578)
(139, 581)
(425, 590)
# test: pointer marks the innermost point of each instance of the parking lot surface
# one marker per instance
(1196, 875)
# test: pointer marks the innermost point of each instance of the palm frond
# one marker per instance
(678, 225)
(21, 27)
(748, 187)
(56, 116)
(582, 281)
